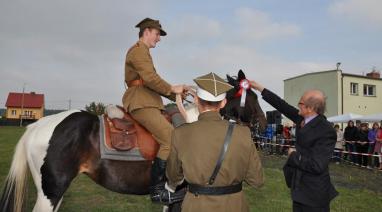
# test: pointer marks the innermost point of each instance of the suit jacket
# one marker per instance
(194, 152)
(306, 170)
(139, 65)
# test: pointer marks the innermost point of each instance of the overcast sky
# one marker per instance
(75, 50)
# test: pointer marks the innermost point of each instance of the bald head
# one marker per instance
(315, 99)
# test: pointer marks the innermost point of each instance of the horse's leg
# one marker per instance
(58, 205)
(69, 146)
(50, 201)
(55, 149)
(48, 156)
(42, 202)
(56, 178)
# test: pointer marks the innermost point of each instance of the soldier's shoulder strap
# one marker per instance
(227, 140)
(136, 45)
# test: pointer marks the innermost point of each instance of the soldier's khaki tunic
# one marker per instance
(194, 152)
(144, 102)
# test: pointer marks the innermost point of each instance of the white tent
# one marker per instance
(372, 117)
(344, 118)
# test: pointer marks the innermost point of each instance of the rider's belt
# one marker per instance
(136, 82)
(216, 190)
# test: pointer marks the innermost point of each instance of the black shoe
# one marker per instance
(158, 192)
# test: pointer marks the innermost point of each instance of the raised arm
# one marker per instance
(278, 103)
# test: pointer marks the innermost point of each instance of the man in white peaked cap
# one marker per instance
(197, 154)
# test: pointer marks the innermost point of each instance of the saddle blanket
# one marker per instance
(112, 154)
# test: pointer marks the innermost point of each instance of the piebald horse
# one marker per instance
(57, 148)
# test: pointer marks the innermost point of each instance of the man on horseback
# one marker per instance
(143, 100)
(213, 160)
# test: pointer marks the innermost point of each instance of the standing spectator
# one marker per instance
(358, 124)
(339, 147)
(350, 136)
(363, 145)
(372, 142)
(378, 146)
(293, 133)
(286, 132)
(269, 136)
(286, 138)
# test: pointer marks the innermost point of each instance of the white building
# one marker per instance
(346, 93)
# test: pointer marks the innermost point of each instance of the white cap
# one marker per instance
(205, 95)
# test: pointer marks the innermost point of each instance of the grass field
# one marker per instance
(360, 189)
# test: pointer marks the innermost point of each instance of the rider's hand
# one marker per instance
(257, 86)
(178, 89)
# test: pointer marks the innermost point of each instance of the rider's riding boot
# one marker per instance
(158, 192)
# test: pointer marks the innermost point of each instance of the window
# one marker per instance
(13, 112)
(369, 90)
(353, 88)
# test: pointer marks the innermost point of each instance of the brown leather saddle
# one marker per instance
(127, 134)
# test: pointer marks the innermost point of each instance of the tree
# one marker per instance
(95, 108)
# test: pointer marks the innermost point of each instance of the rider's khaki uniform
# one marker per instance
(194, 152)
(144, 102)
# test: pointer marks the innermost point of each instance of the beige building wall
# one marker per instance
(326, 81)
(34, 113)
(360, 103)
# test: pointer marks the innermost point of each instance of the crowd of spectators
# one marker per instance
(364, 145)
(358, 144)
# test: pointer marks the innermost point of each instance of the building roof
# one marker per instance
(31, 100)
(343, 74)
(360, 76)
(311, 73)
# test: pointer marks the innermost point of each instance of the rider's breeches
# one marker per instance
(157, 124)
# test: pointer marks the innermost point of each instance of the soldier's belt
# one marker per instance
(216, 190)
(135, 83)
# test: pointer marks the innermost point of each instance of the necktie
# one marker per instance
(302, 124)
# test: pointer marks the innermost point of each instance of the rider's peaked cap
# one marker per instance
(151, 23)
(211, 87)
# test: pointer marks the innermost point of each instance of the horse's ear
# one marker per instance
(231, 80)
(240, 75)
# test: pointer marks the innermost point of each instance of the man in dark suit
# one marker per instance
(306, 169)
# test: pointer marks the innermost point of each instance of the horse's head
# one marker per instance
(251, 113)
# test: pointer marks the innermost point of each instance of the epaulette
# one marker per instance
(134, 46)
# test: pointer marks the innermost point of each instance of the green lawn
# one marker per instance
(360, 190)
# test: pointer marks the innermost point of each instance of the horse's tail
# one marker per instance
(14, 193)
